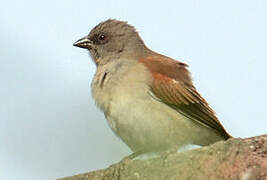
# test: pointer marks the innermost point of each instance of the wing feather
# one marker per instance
(172, 84)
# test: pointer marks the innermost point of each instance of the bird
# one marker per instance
(148, 99)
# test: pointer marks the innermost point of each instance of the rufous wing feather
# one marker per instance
(172, 85)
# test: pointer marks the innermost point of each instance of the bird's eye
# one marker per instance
(102, 37)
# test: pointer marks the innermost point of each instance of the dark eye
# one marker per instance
(102, 37)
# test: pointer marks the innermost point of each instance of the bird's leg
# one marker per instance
(138, 153)
(143, 154)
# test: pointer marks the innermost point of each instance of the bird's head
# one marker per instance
(112, 39)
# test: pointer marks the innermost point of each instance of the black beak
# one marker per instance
(84, 42)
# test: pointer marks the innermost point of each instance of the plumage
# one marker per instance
(149, 99)
(172, 84)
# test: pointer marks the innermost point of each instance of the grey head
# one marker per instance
(112, 39)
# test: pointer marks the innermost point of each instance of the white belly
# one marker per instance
(145, 123)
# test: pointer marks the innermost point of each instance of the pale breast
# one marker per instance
(118, 83)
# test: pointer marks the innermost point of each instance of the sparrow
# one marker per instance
(148, 99)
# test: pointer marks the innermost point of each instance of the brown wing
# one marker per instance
(172, 84)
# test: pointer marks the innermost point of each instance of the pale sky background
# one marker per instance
(49, 125)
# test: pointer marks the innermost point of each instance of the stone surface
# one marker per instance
(244, 159)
